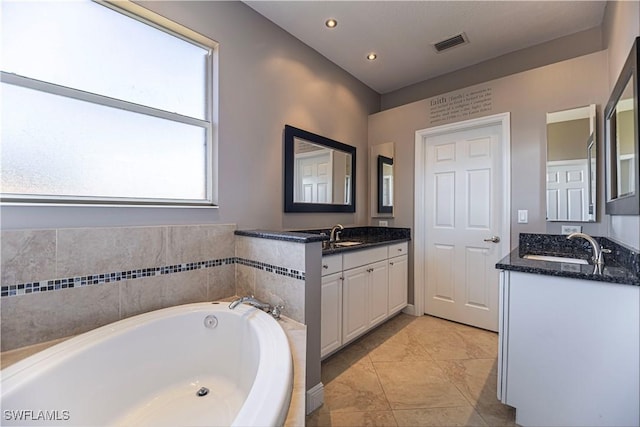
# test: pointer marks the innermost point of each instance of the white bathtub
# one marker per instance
(147, 370)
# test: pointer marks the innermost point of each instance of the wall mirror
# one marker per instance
(319, 173)
(385, 184)
(571, 165)
(381, 179)
(622, 146)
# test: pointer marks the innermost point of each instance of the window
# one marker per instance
(102, 106)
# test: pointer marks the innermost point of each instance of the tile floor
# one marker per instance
(414, 371)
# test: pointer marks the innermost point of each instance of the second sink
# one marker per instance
(556, 259)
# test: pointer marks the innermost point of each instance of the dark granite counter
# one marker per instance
(368, 236)
(622, 265)
(288, 236)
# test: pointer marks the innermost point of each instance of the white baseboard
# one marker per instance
(315, 397)
(411, 309)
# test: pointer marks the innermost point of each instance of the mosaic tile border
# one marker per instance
(99, 279)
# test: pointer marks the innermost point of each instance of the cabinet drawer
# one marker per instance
(398, 249)
(331, 264)
(366, 256)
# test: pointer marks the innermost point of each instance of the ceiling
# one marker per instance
(402, 33)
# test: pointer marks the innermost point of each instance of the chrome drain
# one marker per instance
(202, 392)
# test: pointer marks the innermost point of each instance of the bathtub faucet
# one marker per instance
(264, 306)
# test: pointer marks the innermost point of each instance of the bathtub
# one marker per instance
(197, 364)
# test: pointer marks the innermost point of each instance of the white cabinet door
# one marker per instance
(355, 300)
(331, 312)
(378, 292)
(398, 282)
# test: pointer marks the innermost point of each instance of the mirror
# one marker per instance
(381, 179)
(622, 147)
(319, 173)
(571, 165)
(385, 184)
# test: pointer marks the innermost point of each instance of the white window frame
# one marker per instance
(209, 122)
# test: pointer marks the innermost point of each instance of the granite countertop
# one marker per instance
(367, 236)
(621, 266)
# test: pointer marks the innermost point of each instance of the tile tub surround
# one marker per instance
(57, 283)
(300, 253)
(621, 266)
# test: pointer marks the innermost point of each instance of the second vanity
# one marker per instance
(569, 348)
(364, 283)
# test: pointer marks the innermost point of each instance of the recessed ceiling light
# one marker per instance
(371, 56)
(331, 23)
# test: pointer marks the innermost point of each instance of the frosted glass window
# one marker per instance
(139, 158)
(100, 107)
(87, 46)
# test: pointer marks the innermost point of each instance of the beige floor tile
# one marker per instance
(351, 419)
(414, 371)
(438, 417)
(399, 348)
(497, 415)
(475, 378)
(417, 385)
(355, 389)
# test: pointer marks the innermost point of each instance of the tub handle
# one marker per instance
(277, 311)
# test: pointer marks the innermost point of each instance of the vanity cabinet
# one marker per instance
(331, 304)
(568, 350)
(398, 277)
(370, 286)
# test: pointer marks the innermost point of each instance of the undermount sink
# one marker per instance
(556, 259)
(346, 244)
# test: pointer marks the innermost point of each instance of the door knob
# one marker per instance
(493, 239)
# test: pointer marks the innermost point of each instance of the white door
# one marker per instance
(568, 190)
(463, 221)
(315, 178)
(331, 313)
(378, 292)
(355, 303)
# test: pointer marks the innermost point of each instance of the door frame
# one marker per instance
(419, 230)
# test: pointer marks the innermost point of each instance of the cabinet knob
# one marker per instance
(390, 262)
(325, 266)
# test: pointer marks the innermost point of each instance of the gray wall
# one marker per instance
(267, 79)
(528, 96)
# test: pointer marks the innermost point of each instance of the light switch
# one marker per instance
(523, 216)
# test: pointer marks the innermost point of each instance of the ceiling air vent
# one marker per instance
(451, 42)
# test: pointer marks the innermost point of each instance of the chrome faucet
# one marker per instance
(275, 311)
(264, 306)
(335, 235)
(598, 259)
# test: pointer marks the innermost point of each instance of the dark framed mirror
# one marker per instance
(319, 173)
(622, 142)
(385, 184)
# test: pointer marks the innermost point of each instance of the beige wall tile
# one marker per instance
(222, 282)
(245, 280)
(33, 318)
(27, 256)
(277, 252)
(277, 289)
(153, 293)
(193, 243)
(103, 250)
